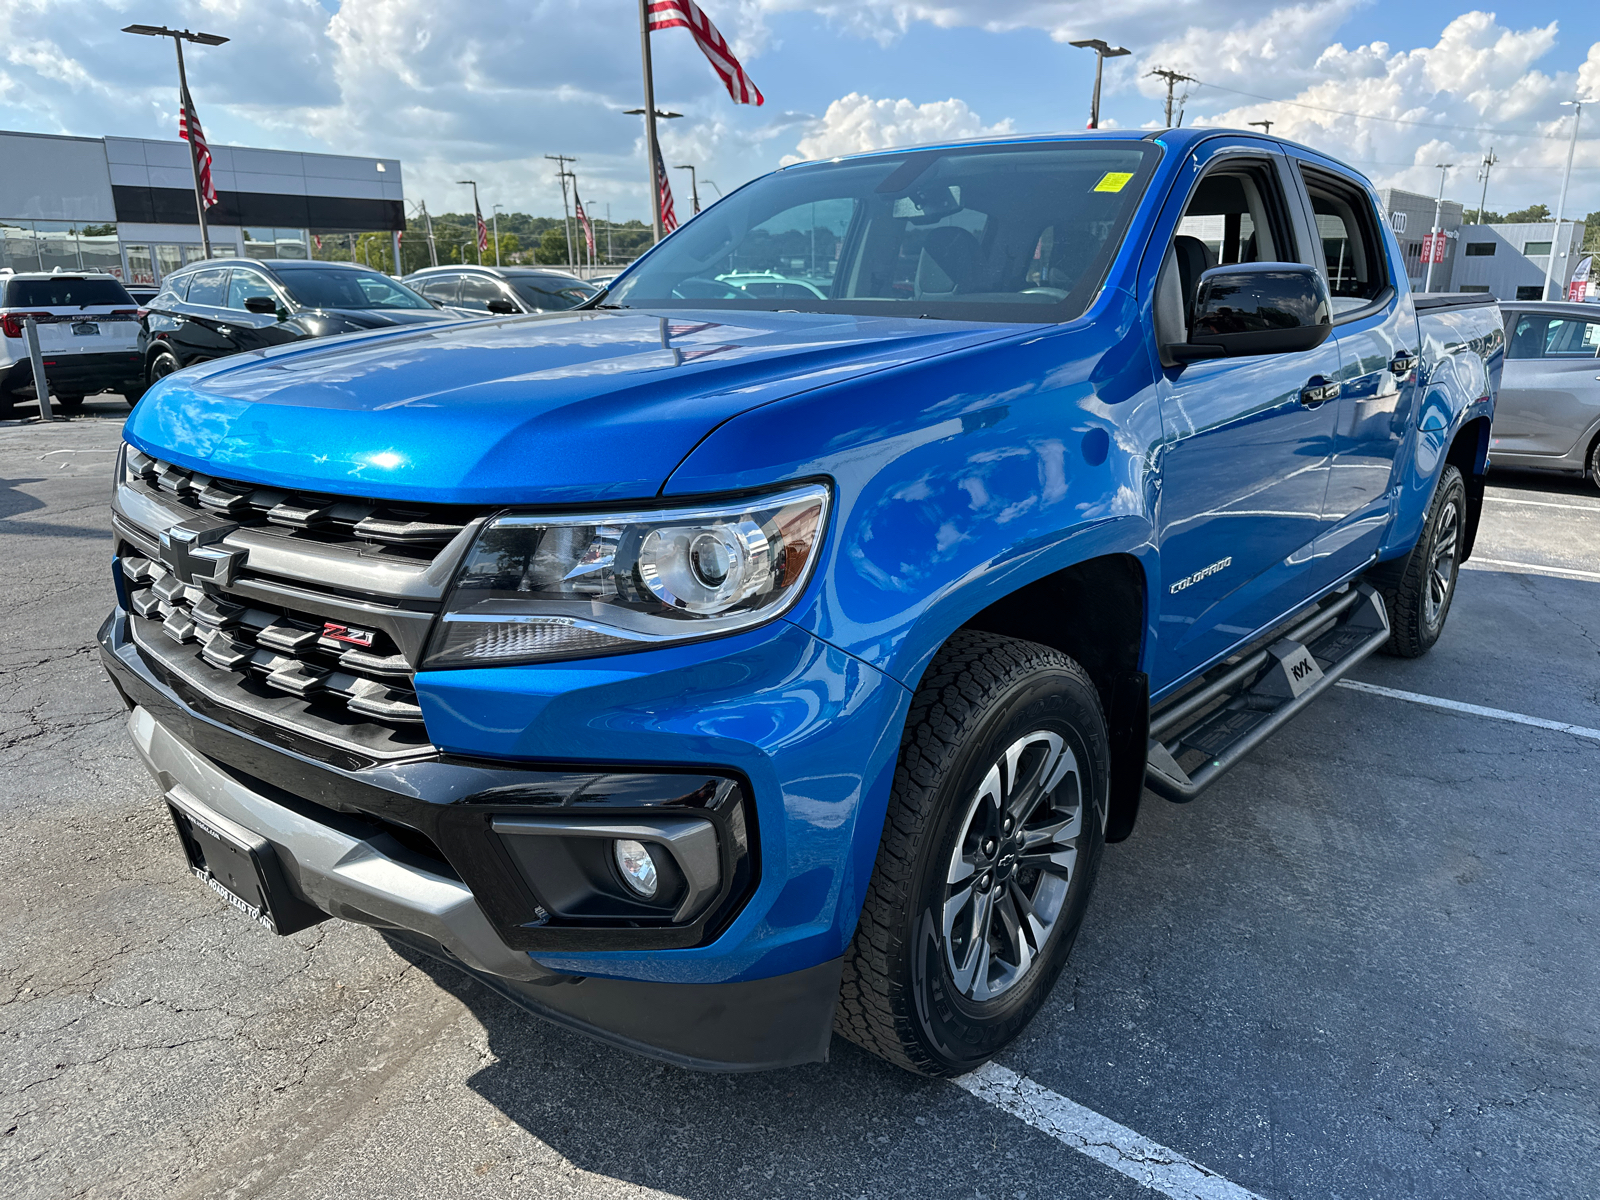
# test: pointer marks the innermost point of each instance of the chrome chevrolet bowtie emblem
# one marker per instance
(193, 552)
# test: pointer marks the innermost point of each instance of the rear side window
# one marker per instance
(209, 287)
(1535, 335)
(66, 292)
(1351, 245)
(440, 289)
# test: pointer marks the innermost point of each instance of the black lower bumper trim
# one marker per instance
(756, 1025)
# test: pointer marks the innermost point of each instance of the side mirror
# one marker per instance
(503, 307)
(264, 305)
(1247, 309)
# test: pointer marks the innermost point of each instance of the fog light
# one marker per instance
(637, 867)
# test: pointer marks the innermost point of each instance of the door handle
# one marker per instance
(1318, 391)
(1404, 363)
(225, 330)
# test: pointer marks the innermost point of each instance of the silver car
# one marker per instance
(1548, 413)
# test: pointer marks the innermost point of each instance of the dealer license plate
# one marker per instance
(86, 329)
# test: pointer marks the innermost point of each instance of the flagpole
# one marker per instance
(194, 154)
(651, 151)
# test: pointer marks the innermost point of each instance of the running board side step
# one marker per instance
(1262, 694)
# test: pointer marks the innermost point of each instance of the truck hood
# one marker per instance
(556, 409)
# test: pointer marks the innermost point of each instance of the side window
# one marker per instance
(1351, 245)
(1538, 336)
(441, 289)
(1235, 214)
(245, 284)
(209, 287)
(478, 290)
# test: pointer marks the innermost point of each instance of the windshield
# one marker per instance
(551, 295)
(334, 288)
(66, 292)
(982, 233)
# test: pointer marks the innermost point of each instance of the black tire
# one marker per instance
(70, 404)
(904, 997)
(131, 391)
(1594, 463)
(1418, 589)
(162, 364)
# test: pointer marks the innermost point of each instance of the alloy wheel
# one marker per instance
(1442, 570)
(1008, 875)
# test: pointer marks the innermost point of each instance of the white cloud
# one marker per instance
(856, 123)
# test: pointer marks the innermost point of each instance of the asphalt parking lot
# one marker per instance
(1363, 965)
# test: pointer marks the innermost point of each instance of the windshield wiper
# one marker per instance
(610, 306)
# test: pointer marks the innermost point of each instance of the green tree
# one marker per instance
(552, 248)
(1591, 233)
(1524, 216)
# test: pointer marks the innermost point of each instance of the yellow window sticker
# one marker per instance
(1113, 181)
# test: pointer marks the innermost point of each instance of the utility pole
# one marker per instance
(609, 255)
(694, 188)
(496, 218)
(1264, 126)
(1102, 51)
(179, 37)
(433, 250)
(1561, 205)
(561, 161)
(1173, 78)
(1434, 242)
(477, 215)
(1489, 161)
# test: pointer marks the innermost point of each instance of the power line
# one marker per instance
(1344, 112)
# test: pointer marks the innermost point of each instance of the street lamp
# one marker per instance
(694, 188)
(496, 218)
(1264, 126)
(477, 214)
(1102, 51)
(1436, 239)
(1576, 104)
(179, 37)
(651, 114)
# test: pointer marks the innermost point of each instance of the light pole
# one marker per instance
(651, 115)
(1435, 240)
(1102, 51)
(1264, 126)
(694, 188)
(477, 215)
(433, 250)
(1561, 205)
(1489, 161)
(179, 37)
(496, 218)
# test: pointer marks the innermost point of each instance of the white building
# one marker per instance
(1509, 261)
(126, 205)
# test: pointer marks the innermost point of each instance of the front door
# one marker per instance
(1375, 324)
(1245, 465)
(255, 331)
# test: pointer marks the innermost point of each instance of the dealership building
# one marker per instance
(126, 205)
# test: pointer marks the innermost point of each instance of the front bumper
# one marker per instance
(347, 842)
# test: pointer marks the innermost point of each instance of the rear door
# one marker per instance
(203, 328)
(1375, 325)
(1550, 390)
(1245, 466)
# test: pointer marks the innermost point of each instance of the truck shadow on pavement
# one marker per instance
(14, 502)
(853, 1123)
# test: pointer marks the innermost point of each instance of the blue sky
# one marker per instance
(487, 87)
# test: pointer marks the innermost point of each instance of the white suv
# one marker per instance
(88, 338)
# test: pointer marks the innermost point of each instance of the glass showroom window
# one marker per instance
(141, 269)
(18, 249)
(169, 258)
(261, 243)
(98, 249)
(291, 243)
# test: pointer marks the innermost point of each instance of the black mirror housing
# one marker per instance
(1245, 309)
(263, 305)
(504, 307)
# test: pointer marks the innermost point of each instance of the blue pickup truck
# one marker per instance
(771, 647)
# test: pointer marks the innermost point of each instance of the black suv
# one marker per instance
(501, 289)
(212, 309)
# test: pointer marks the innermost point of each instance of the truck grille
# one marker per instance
(320, 625)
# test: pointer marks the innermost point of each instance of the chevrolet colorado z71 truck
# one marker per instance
(772, 646)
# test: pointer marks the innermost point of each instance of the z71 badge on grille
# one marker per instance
(349, 634)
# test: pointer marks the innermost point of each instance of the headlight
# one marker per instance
(535, 587)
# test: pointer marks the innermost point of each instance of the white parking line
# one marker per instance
(1530, 568)
(1102, 1139)
(1588, 508)
(1474, 710)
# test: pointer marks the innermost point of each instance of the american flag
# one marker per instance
(483, 230)
(669, 218)
(583, 220)
(672, 14)
(189, 121)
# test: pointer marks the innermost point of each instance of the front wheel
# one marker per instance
(1418, 588)
(993, 837)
